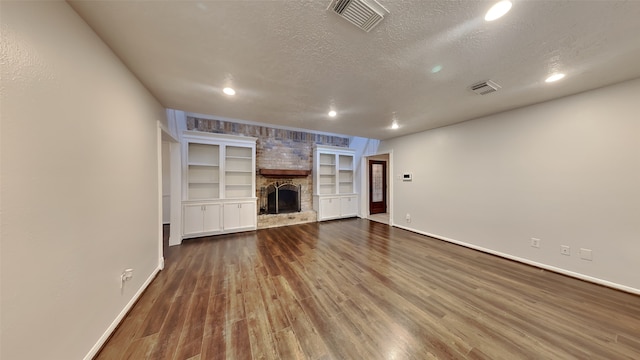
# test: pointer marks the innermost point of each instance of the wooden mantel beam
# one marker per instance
(284, 173)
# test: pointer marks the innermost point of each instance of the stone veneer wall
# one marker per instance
(277, 149)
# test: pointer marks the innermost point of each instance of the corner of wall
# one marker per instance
(105, 336)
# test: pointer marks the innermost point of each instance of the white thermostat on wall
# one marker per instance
(407, 177)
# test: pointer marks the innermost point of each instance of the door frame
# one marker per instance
(364, 184)
(385, 202)
(164, 135)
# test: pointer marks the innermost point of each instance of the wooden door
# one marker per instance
(377, 187)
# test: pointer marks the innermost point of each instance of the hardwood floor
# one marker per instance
(357, 289)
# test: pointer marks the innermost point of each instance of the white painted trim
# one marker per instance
(103, 339)
(391, 187)
(175, 165)
(337, 149)
(159, 132)
(529, 262)
(173, 136)
(364, 188)
(205, 136)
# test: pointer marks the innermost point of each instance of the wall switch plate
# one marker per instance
(565, 250)
(535, 242)
(586, 254)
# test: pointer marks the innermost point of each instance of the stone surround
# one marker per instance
(277, 149)
(276, 220)
(306, 188)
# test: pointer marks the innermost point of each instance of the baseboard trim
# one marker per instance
(529, 262)
(103, 339)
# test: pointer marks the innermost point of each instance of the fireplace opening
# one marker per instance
(281, 199)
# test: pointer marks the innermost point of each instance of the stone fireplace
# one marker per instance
(282, 157)
(294, 199)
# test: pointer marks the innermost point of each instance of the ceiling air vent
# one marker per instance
(485, 87)
(365, 14)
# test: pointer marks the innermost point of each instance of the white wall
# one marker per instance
(79, 193)
(565, 171)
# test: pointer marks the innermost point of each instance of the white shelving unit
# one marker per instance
(203, 171)
(334, 193)
(218, 184)
(239, 172)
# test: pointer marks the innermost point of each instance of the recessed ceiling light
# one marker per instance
(436, 69)
(554, 77)
(332, 113)
(394, 125)
(229, 91)
(498, 10)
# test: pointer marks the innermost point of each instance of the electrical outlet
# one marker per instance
(408, 217)
(565, 250)
(586, 254)
(126, 275)
(535, 242)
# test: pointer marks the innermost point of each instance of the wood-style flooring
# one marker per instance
(357, 289)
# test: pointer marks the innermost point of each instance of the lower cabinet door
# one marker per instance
(211, 217)
(239, 215)
(348, 206)
(248, 214)
(329, 208)
(192, 221)
(231, 216)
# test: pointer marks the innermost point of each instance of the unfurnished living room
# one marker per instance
(331, 179)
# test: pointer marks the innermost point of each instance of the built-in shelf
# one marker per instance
(334, 183)
(218, 184)
(202, 164)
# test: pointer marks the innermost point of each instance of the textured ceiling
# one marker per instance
(291, 61)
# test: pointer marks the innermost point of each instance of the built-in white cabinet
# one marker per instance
(329, 207)
(218, 184)
(334, 193)
(201, 218)
(239, 215)
(348, 206)
(335, 207)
